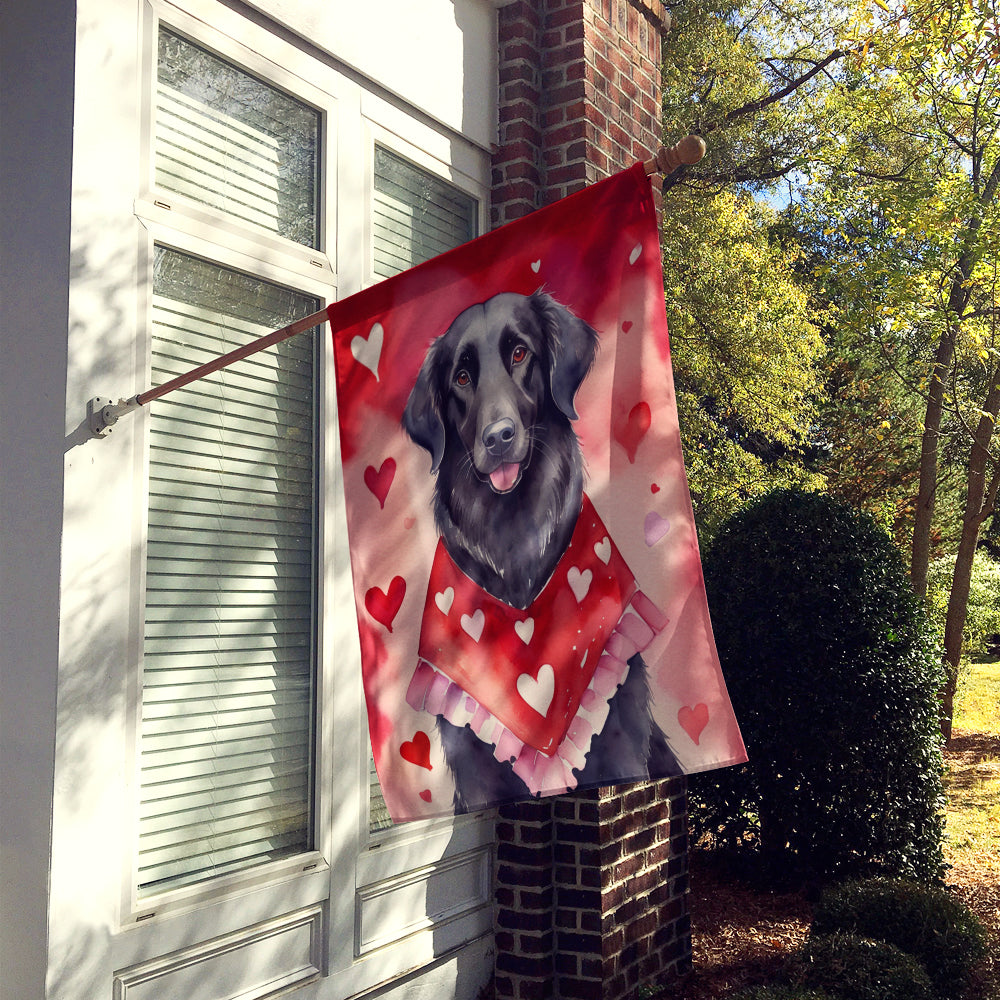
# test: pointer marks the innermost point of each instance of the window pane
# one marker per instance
(228, 140)
(416, 217)
(228, 656)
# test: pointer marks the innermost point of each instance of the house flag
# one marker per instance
(529, 594)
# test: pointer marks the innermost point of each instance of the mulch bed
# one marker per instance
(742, 934)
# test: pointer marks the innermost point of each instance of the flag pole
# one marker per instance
(103, 413)
(687, 152)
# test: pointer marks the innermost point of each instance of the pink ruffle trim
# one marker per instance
(431, 690)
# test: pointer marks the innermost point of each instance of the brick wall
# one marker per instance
(591, 888)
(579, 96)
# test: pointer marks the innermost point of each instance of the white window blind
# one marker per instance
(230, 141)
(416, 216)
(228, 676)
(228, 660)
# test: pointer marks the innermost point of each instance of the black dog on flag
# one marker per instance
(493, 404)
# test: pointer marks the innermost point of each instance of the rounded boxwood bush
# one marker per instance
(833, 672)
(924, 921)
(856, 968)
(782, 993)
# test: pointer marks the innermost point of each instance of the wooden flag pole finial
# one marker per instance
(688, 151)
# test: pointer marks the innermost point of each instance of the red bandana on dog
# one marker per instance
(536, 682)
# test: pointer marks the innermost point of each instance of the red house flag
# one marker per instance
(529, 594)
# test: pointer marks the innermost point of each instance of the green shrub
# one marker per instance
(782, 993)
(856, 968)
(833, 673)
(925, 922)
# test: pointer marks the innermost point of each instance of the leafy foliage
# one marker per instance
(877, 125)
(924, 921)
(856, 968)
(780, 992)
(745, 352)
(833, 673)
(983, 615)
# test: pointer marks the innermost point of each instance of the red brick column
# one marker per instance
(579, 96)
(591, 888)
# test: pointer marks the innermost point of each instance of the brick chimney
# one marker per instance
(591, 888)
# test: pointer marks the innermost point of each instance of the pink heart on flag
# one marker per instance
(379, 480)
(693, 720)
(418, 750)
(631, 432)
(383, 606)
(654, 527)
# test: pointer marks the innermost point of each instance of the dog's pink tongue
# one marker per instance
(504, 476)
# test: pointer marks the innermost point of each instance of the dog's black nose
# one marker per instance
(498, 436)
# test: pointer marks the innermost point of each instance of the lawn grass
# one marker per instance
(977, 707)
(972, 847)
(973, 783)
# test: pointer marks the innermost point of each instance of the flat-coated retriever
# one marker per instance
(493, 404)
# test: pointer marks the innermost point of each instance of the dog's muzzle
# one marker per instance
(498, 439)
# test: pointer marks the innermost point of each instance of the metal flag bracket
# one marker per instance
(103, 413)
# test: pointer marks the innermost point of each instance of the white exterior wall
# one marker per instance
(412, 910)
(36, 119)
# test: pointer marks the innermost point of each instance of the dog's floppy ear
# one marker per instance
(572, 346)
(422, 416)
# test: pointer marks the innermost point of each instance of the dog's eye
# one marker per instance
(462, 378)
(518, 355)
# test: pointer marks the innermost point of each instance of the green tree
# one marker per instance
(747, 357)
(747, 353)
(911, 187)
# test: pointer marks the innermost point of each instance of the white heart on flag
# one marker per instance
(525, 630)
(473, 624)
(634, 255)
(579, 582)
(538, 692)
(536, 265)
(443, 599)
(369, 352)
(603, 550)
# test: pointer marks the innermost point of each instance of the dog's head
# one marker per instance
(488, 380)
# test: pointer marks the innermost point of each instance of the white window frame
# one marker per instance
(351, 875)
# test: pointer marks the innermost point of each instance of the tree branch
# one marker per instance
(754, 106)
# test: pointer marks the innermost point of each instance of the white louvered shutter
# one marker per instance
(416, 216)
(228, 674)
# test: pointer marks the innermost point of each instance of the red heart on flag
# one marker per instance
(633, 430)
(379, 480)
(693, 720)
(383, 606)
(418, 750)
(626, 326)
(425, 795)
